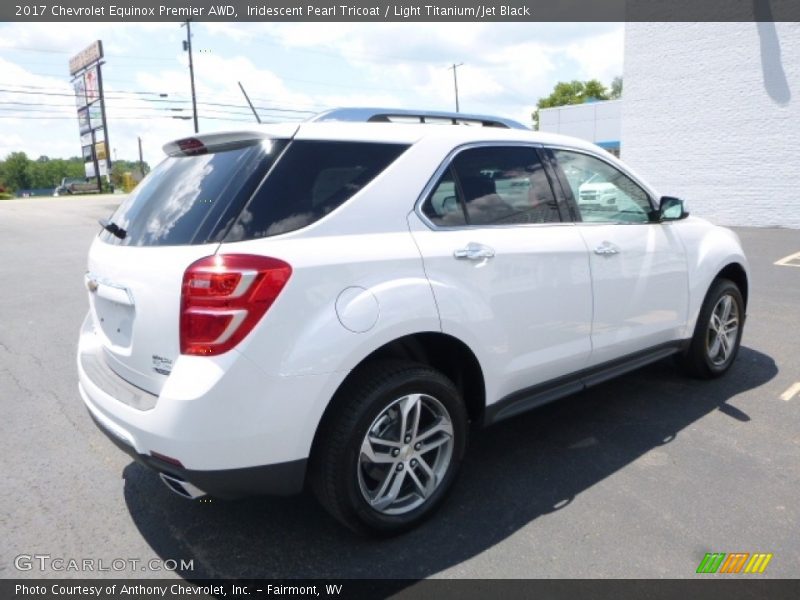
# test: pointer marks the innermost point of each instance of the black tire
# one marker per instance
(703, 358)
(339, 468)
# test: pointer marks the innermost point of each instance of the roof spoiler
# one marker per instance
(203, 143)
(393, 115)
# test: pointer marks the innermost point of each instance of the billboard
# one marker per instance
(83, 121)
(100, 151)
(89, 55)
(87, 82)
(91, 85)
(95, 116)
(80, 93)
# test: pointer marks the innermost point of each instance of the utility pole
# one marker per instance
(141, 160)
(455, 81)
(187, 47)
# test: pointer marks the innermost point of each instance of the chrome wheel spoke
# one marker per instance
(730, 341)
(425, 489)
(423, 464)
(383, 442)
(410, 408)
(726, 303)
(389, 490)
(441, 426)
(713, 350)
(428, 446)
(377, 456)
(725, 345)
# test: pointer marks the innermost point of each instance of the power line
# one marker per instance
(40, 87)
(162, 97)
(68, 52)
(138, 117)
(112, 97)
(330, 52)
(284, 77)
(117, 112)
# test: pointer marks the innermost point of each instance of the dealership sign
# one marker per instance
(87, 82)
(89, 55)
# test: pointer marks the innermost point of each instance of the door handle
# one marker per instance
(108, 291)
(474, 251)
(607, 249)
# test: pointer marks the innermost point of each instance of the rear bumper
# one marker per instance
(234, 429)
(281, 479)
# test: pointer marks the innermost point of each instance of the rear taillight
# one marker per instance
(224, 296)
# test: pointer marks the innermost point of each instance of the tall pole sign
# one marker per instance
(87, 81)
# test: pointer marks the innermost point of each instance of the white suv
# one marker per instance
(334, 302)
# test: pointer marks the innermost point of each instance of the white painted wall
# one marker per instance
(594, 121)
(712, 114)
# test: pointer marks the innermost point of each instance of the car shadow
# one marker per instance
(514, 472)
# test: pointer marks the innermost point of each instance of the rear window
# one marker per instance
(311, 179)
(193, 199)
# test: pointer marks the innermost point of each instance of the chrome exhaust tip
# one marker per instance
(182, 488)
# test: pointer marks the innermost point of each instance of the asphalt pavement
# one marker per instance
(636, 478)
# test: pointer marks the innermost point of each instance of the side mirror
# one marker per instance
(671, 209)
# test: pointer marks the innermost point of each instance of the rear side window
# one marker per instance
(311, 179)
(192, 199)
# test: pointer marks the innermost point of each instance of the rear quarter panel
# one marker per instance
(303, 334)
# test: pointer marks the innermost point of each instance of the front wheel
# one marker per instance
(718, 332)
(388, 455)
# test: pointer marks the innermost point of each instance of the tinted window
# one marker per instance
(311, 179)
(497, 185)
(191, 199)
(602, 192)
(443, 207)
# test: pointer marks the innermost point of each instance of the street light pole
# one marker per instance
(187, 46)
(455, 82)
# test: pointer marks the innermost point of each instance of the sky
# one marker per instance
(290, 70)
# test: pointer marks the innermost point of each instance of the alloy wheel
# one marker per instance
(723, 330)
(405, 454)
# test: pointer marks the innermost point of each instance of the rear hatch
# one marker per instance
(177, 215)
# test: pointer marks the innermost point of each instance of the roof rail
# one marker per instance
(393, 115)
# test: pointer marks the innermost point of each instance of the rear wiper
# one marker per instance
(113, 228)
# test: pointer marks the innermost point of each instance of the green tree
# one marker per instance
(616, 88)
(16, 171)
(120, 167)
(571, 92)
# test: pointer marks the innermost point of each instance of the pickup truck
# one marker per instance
(77, 185)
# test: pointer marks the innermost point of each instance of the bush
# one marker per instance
(6, 196)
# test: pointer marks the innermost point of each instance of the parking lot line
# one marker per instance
(791, 392)
(793, 260)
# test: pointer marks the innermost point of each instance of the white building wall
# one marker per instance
(597, 122)
(712, 114)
